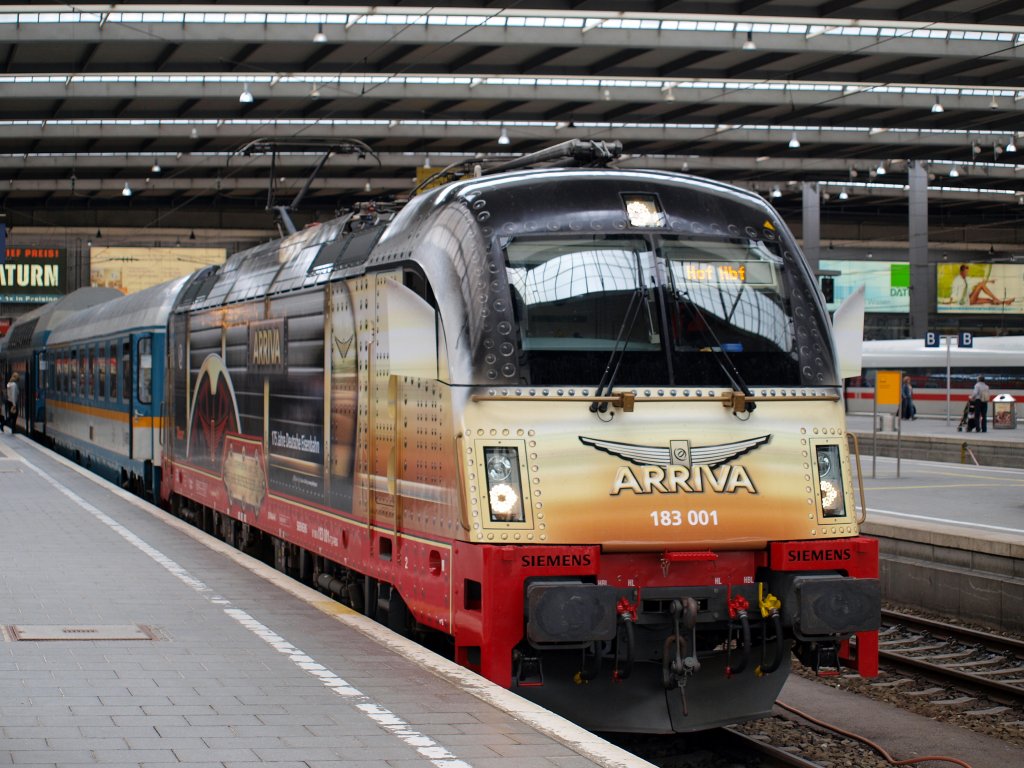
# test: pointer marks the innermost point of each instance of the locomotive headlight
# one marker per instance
(499, 468)
(830, 481)
(504, 485)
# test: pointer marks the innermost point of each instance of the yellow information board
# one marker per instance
(887, 387)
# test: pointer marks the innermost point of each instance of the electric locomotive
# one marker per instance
(586, 423)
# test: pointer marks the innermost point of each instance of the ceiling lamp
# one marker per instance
(127, 191)
(954, 172)
(750, 45)
(937, 107)
(776, 192)
(315, 93)
(880, 170)
(320, 37)
(156, 166)
(503, 138)
(993, 104)
(794, 142)
(246, 95)
(194, 133)
(192, 235)
(667, 88)
(1010, 146)
(843, 194)
(367, 187)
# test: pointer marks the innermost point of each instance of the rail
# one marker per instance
(984, 662)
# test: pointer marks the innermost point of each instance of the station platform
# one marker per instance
(936, 439)
(131, 638)
(945, 507)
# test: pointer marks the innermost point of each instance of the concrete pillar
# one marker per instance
(922, 274)
(812, 223)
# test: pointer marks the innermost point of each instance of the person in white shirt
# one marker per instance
(980, 397)
(11, 417)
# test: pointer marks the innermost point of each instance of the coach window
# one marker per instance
(74, 373)
(101, 359)
(90, 381)
(126, 369)
(114, 372)
(145, 349)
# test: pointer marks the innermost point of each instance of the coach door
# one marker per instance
(142, 434)
(35, 416)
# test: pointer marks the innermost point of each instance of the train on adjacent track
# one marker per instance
(941, 378)
(584, 424)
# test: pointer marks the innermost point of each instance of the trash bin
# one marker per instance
(1004, 412)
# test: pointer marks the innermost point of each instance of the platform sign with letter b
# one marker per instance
(931, 339)
(965, 340)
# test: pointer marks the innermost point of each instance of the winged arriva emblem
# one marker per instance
(678, 452)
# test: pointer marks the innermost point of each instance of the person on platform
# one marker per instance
(907, 408)
(979, 396)
(13, 392)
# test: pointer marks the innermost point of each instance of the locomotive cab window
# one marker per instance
(673, 310)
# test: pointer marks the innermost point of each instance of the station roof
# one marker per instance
(161, 98)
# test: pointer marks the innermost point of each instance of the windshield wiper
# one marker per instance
(611, 370)
(721, 357)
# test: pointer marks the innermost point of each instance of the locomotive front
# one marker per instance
(657, 491)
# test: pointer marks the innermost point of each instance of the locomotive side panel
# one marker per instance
(285, 363)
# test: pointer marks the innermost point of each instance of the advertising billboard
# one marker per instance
(967, 288)
(32, 275)
(886, 283)
(131, 269)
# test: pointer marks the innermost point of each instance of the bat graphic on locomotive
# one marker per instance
(583, 422)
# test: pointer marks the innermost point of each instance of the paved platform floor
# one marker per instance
(227, 665)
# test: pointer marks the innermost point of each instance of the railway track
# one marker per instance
(773, 742)
(971, 660)
(744, 746)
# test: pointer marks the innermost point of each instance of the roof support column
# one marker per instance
(922, 282)
(812, 223)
